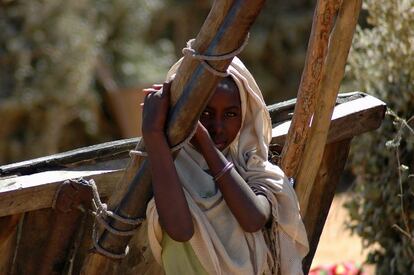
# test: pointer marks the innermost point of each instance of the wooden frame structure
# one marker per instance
(29, 187)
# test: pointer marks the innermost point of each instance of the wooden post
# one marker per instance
(323, 191)
(224, 30)
(323, 21)
(339, 45)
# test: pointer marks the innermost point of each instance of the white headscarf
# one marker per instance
(219, 242)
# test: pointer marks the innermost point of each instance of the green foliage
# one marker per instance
(48, 56)
(381, 63)
(50, 50)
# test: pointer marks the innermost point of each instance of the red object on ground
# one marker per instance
(348, 268)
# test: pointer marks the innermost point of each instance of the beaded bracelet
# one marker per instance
(223, 171)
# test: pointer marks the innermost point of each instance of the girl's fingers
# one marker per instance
(157, 86)
(149, 91)
(166, 87)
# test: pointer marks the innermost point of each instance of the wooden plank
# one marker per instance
(322, 194)
(8, 242)
(348, 120)
(36, 191)
(7, 226)
(283, 111)
(34, 234)
(82, 156)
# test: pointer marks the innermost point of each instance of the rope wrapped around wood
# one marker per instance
(189, 51)
(100, 212)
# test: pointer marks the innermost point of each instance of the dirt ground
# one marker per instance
(336, 244)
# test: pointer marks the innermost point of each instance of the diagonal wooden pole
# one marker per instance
(339, 45)
(323, 21)
(224, 30)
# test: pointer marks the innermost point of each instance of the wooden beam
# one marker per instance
(314, 69)
(36, 191)
(348, 120)
(86, 155)
(323, 191)
(339, 45)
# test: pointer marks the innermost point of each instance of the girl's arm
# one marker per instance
(251, 211)
(174, 214)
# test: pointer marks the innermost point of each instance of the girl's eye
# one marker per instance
(231, 114)
(205, 113)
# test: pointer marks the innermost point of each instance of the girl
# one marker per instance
(220, 207)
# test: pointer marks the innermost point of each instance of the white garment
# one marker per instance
(219, 242)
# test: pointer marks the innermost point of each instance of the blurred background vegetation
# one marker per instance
(63, 62)
(381, 63)
(59, 60)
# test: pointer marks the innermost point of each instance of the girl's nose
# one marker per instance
(218, 126)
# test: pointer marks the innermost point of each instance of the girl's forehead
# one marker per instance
(226, 96)
(228, 83)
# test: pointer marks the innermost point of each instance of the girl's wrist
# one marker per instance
(153, 137)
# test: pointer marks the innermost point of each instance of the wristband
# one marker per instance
(223, 171)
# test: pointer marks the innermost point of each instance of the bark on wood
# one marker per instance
(339, 45)
(322, 194)
(223, 31)
(309, 85)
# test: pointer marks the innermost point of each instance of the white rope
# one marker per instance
(101, 209)
(102, 250)
(100, 212)
(189, 51)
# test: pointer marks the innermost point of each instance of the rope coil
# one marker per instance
(100, 211)
(189, 51)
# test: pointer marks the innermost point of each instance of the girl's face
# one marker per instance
(223, 115)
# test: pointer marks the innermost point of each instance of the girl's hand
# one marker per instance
(155, 109)
(200, 136)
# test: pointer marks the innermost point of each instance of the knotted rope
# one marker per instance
(100, 211)
(189, 51)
